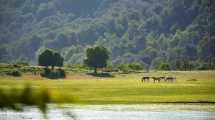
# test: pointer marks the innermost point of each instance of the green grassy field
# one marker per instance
(190, 87)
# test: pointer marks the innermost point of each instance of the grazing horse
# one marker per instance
(156, 79)
(162, 78)
(171, 79)
(145, 79)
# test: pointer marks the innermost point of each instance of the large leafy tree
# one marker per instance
(97, 57)
(50, 58)
(45, 58)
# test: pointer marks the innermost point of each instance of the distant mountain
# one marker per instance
(148, 31)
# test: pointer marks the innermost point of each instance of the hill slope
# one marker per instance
(150, 31)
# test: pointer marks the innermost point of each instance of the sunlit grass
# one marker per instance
(190, 87)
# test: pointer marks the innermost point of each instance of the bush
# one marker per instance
(53, 74)
(124, 68)
(102, 74)
(131, 67)
(136, 66)
(75, 67)
(45, 72)
(110, 69)
(14, 73)
(61, 73)
(33, 70)
(163, 66)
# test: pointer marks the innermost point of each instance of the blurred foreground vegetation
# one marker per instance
(16, 98)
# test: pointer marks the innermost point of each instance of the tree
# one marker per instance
(45, 58)
(50, 58)
(97, 57)
(58, 59)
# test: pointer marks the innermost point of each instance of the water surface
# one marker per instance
(117, 112)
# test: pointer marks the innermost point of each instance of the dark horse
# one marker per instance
(145, 79)
(171, 79)
(156, 79)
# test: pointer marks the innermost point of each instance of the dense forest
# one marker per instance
(154, 32)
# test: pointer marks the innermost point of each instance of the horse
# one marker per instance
(145, 79)
(162, 78)
(156, 79)
(171, 79)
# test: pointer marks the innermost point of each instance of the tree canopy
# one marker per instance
(97, 57)
(50, 58)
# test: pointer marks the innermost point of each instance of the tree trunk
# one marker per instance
(52, 67)
(95, 70)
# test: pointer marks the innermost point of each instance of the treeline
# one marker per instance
(52, 65)
(170, 34)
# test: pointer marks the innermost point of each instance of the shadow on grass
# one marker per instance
(102, 74)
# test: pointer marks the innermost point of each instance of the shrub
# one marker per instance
(45, 72)
(62, 73)
(75, 67)
(163, 66)
(14, 73)
(110, 69)
(53, 74)
(102, 74)
(136, 66)
(124, 68)
(131, 67)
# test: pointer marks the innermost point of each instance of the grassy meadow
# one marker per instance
(190, 87)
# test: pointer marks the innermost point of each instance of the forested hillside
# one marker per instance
(174, 32)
